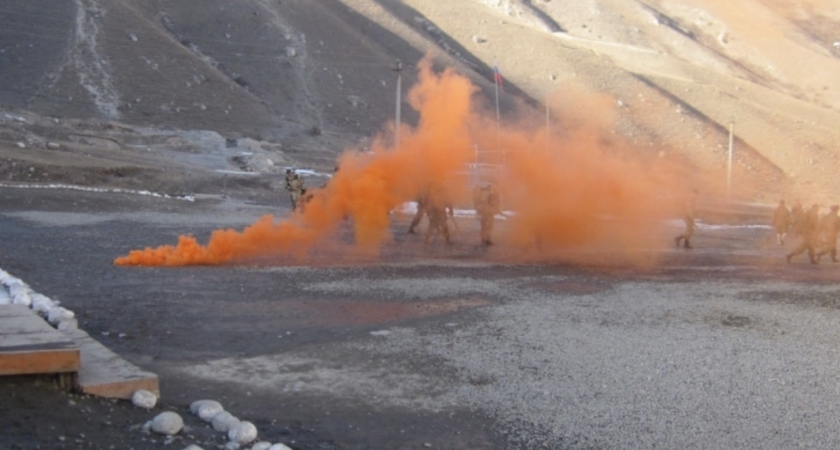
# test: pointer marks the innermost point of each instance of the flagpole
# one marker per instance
(496, 84)
(398, 69)
(547, 120)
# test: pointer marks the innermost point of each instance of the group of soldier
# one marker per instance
(436, 204)
(433, 202)
(817, 233)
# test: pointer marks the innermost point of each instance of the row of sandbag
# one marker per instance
(16, 292)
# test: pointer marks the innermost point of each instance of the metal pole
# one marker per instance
(547, 122)
(729, 165)
(398, 69)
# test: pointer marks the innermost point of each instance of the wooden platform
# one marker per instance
(29, 345)
(106, 374)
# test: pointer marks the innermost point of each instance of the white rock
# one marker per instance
(279, 447)
(20, 294)
(67, 324)
(243, 432)
(206, 409)
(57, 314)
(5, 298)
(21, 145)
(261, 446)
(42, 304)
(193, 447)
(224, 421)
(168, 423)
(194, 405)
(144, 399)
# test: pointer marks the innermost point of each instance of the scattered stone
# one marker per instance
(380, 333)
(68, 324)
(58, 314)
(279, 447)
(291, 52)
(168, 423)
(144, 399)
(21, 145)
(21, 295)
(224, 421)
(193, 447)
(478, 39)
(261, 446)
(243, 432)
(206, 409)
(132, 37)
(53, 145)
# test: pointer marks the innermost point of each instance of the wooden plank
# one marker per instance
(46, 361)
(106, 374)
(24, 325)
(29, 345)
(15, 311)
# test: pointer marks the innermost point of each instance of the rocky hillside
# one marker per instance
(305, 79)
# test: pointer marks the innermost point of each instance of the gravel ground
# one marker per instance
(723, 347)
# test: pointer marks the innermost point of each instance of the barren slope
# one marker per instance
(315, 77)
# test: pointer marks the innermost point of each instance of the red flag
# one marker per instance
(497, 76)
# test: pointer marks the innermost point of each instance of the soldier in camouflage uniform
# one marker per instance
(439, 209)
(421, 211)
(487, 205)
(296, 190)
(829, 226)
(688, 219)
(808, 231)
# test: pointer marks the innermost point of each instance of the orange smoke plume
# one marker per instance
(567, 190)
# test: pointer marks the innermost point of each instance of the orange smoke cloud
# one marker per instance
(570, 189)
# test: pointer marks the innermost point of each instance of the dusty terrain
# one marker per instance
(429, 346)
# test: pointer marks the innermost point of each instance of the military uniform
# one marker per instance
(421, 211)
(781, 222)
(487, 205)
(829, 226)
(808, 231)
(688, 219)
(296, 190)
(438, 208)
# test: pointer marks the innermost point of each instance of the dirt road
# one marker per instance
(724, 346)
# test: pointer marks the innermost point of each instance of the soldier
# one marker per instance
(487, 205)
(829, 226)
(421, 211)
(781, 221)
(688, 219)
(290, 173)
(438, 207)
(296, 190)
(808, 231)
